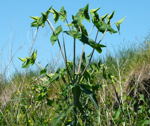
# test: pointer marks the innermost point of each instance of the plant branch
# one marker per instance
(74, 57)
(65, 53)
(53, 30)
(92, 53)
(80, 62)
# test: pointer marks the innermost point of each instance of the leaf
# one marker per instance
(84, 39)
(40, 21)
(86, 89)
(34, 55)
(111, 16)
(53, 77)
(86, 13)
(144, 123)
(49, 102)
(35, 17)
(94, 10)
(79, 27)
(117, 114)
(56, 15)
(23, 59)
(58, 30)
(43, 71)
(103, 17)
(119, 22)
(63, 14)
(83, 14)
(54, 36)
(29, 60)
(102, 27)
(59, 119)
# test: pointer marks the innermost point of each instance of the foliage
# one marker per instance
(78, 78)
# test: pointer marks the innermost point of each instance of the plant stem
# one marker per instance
(65, 53)
(61, 50)
(80, 62)
(92, 53)
(74, 57)
(33, 40)
(53, 30)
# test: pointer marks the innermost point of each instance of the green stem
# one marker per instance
(61, 50)
(92, 53)
(74, 57)
(65, 53)
(53, 30)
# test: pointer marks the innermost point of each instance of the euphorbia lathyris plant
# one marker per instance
(77, 75)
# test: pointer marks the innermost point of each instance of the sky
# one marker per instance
(17, 36)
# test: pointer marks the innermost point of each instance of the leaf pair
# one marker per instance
(84, 39)
(83, 13)
(103, 23)
(54, 36)
(29, 60)
(40, 21)
(62, 14)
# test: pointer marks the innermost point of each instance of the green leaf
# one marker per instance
(104, 17)
(94, 10)
(29, 60)
(23, 59)
(58, 30)
(73, 33)
(56, 15)
(144, 123)
(40, 21)
(43, 71)
(86, 12)
(34, 55)
(54, 36)
(84, 39)
(63, 14)
(102, 27)
(119, 22)
(86, 89)
(49, 102)
(83, 14)
(111, 15)
(117, 114)
(79, 27)
(35, 17)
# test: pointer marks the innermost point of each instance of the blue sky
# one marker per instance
(16, 33)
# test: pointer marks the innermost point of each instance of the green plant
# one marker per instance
(79, 88)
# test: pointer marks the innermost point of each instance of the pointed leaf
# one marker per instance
(29, 60)
(55, 14)
(104, 17)
(119, 22)
(84, 39)
(54, 36)
(111, 16)
(58, 30)
(23, 59)
(86, 89)
(94, 10)
(63, 14)
(43, 71)
(86, 12)
(35, 17)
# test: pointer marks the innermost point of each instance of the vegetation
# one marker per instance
(113, 91)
